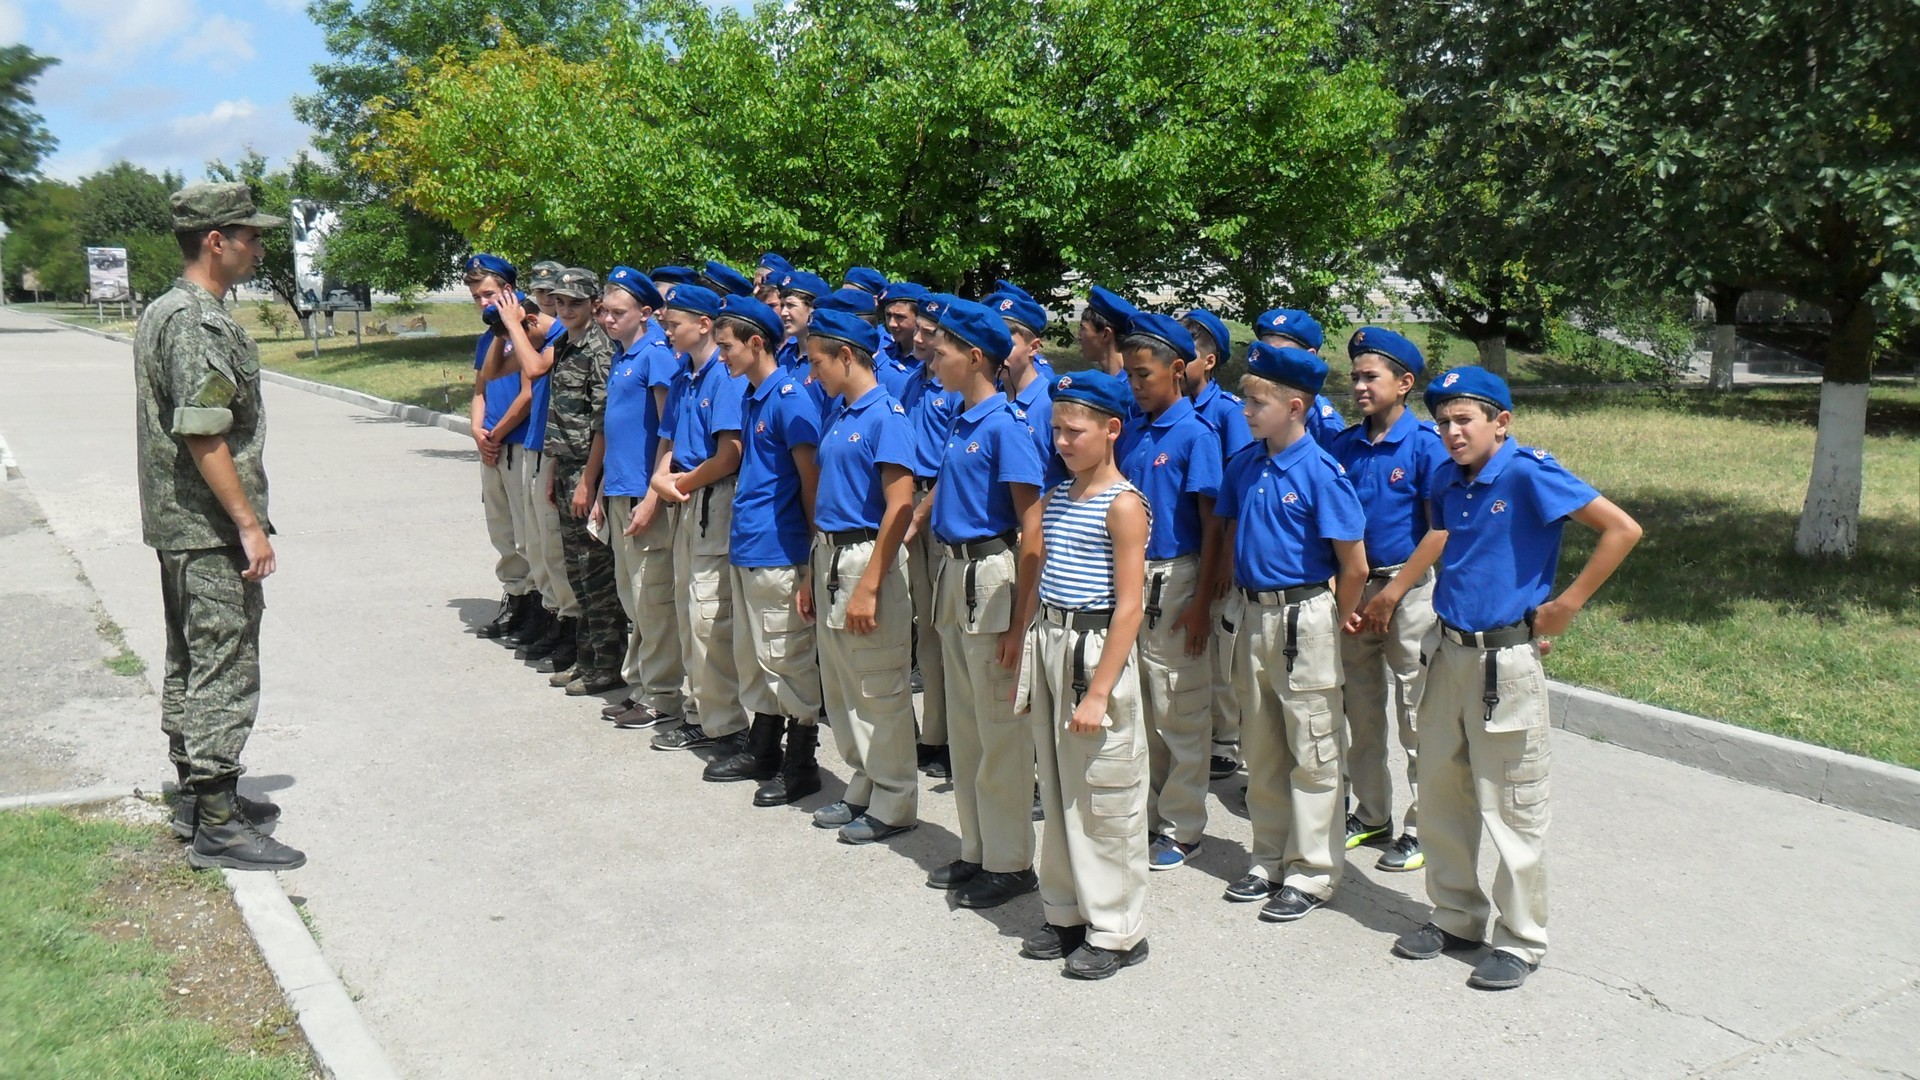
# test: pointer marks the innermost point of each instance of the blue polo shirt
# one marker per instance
(1228, 416)
(701, 403)
(633, 421)
(1290, 507)
(863, 436)
(893, 372)
(769, 520)
(803, 375)
(988, 448)
(1325, 423)
(1394, 478)
(1174, 459)
(1503, 535)
(498, 393)
(789, 353)
(534, 435)
(930, 409)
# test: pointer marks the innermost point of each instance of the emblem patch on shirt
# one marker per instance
(1290, 497)
(1161, 460)
(973, 448)
(787, 388)
(1499, 507)
(898, 409)
(1540, 455)
(760, 428)
(706, 403)
(1396, 476)
(1326, 410)
(855, 437)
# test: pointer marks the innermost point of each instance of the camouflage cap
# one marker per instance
(577, 282)
(541, 275)
(209, 206)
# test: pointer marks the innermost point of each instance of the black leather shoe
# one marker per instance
(799, 774)
(749, 754)
(953, 875)
(1094, 962)
(1249, 889)
(533, 626)
(940, 765)
(1500, 970)
(867, 829)
(539, 636)
(565, 654)
(1430, 941)
(989, 889)
(222, 838)
(260, 813)
(1289, 904)
(1052, 942)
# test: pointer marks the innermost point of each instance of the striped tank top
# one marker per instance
(1078, 570)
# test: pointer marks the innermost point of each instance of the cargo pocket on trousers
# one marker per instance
(780, 630)
(1522, 687)
(215, 578)
(1323, 729)
(1116, 796)
(1523, 801)
(711, 602)
(882, 673)
(1192, 691)
(1317, 664)
(993, 594)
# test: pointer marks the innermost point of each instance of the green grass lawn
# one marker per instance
(74, 1002)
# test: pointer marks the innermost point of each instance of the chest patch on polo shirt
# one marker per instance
(1499, 507)
(855, 437)
(973, 448)
(1396, 476)
(1161, 460)
(760, 428)
(1290, 497)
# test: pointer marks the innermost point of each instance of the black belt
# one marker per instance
(1077, 619)
(980, 549)
(850, 537)
(1500, 637)
(923, 483)
(1387, 573)
(1293, 595)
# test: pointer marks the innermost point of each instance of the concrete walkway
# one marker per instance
(520, 891)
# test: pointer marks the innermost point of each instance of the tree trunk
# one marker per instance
(1830, 519)
(1726, 339)
(1493, 353)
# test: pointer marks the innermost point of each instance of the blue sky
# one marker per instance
(167, 84)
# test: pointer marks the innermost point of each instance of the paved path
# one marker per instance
(520, 891)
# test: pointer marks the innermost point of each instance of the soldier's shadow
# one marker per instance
(474, 612)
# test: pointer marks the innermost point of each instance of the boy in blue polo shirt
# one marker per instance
(1291, 326)
(640, 531)
(1027, 387)
(1213, 346)
(1173, 458)
(695, 472)
(896, 363)
(1296, 524)
(487, 278)
(1497, 510)
(1390, 457)
(930, 409)
(857, 593)
(773, 644)
(988, 490)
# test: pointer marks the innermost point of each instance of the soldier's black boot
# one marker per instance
(566, 648)
(513, 611)
(538, 625)
(799, 774)
(186, 808)
(223, 837)
(759, 759)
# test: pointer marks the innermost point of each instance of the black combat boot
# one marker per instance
(563, 646)
(799, 774)
(513, 609)
(759, 759)
(186, 808)
(532, 632)
(223, 837)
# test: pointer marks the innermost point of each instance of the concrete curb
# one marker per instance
(343, 1044)
(74, 797)
(9, 468)
(1861, 785)
(412, 414)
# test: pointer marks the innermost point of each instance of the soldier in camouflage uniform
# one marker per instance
(576, 415)
(200, 433)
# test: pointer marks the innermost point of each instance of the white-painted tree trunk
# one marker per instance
(1726, 346)
(1830, 521)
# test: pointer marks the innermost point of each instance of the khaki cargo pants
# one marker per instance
(864, 681)
(993, 765)
(643, 573)
(1386, 674)
(503, 500)
(703, 587)
(1176, 692)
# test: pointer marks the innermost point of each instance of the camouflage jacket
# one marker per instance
(195, 372)
(577, 405)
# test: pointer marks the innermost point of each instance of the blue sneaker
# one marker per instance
(1166, 853)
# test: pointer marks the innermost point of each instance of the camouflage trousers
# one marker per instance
(211, 691)
(603, 624)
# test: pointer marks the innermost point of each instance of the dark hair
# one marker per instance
(193, 243)
(743, 329)
(475, 277)
(859, 354)
(1161, 352)
(1201, 333)
(1095, 319)
(1487, 408)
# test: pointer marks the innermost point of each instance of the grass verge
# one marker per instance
(121, 962)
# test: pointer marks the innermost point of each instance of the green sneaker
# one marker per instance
(1403, 854)
(1358, 833)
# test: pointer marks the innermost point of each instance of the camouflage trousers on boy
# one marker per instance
(211, 691)
(601, 635)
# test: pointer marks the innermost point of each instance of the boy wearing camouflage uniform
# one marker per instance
(200, 434)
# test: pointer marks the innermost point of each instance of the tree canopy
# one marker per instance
(24, 140)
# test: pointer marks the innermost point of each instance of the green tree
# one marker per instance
(23, 135)
(126, 206)
(42, 238)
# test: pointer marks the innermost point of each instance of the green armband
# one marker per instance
(192, 420)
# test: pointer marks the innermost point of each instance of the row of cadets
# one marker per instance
(1224, 412)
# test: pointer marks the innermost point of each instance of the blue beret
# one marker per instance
(695, 298)
(1292, 323)
(1470, 382)
(1379, 339)
(1287, 366)
(1162, 328)
(857, 301)
(753, 311)
(979, 327)
(1215, 329)
(1095, 388)
(911, 292)
(775, 264)
(934, 304)
(1002, 285)
(1019, 308)
(725, 279)
(626, 277)
(495, 265)
(867, 279)
(675, 275)
(813, 286)
(826, 322)
(491, 313)
(1118, 313)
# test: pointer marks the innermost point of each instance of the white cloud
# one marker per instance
(110, 28)
(13, 23)
(186, 143)
(220, 43)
